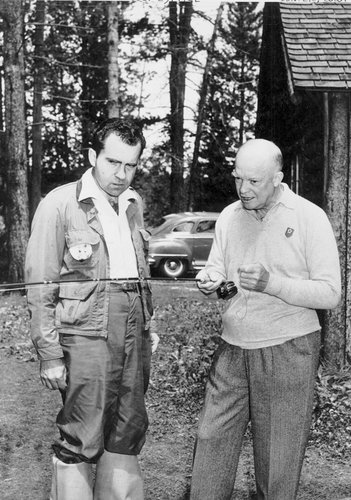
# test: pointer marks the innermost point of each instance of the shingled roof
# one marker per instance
(317, 40)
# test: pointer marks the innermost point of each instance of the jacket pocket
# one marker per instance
(76, 305)
(82, 249)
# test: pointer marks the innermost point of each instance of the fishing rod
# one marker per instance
(226, 290)
(8, 287)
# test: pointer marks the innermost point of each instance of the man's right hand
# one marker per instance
(53, 373)
(209, 281)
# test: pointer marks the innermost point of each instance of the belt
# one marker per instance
(126, 286)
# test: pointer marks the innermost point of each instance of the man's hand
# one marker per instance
(155, 339)
(209, 281)
(253, 277)
(53, 373)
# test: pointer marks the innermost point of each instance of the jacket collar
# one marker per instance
(133, 212)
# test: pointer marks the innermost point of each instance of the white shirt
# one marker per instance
(123, 263)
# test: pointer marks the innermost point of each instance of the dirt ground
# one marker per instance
(27, 428)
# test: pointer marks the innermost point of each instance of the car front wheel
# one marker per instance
(173, 267)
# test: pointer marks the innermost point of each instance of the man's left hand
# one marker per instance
(253, 277)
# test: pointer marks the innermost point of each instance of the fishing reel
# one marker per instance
(227, 290)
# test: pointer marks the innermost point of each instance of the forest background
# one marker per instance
(186, 70)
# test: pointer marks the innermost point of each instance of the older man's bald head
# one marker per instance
(261, 153)
(258, 174)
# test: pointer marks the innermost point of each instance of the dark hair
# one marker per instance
(127, 130)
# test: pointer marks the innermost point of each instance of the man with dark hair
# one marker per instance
(91, 326)
(280, 251)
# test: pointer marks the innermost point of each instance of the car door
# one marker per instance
(182, 235)
(202, 241)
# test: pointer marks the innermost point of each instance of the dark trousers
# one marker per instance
(104, 406)
(273, 387)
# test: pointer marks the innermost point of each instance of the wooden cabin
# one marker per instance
(304, 107)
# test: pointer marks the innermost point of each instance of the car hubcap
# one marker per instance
(173, 265)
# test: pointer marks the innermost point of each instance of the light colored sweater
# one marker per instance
(296, 244)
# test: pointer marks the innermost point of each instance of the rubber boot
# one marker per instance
(118, 477)
(71, 481)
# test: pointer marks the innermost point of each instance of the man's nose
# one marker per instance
(244, 186)
(121, 172)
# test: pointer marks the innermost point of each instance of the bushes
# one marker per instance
(331, 426)
(189, 332)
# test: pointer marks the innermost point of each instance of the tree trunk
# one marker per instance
(338, 210)
(84, 95)
(195, 181)
(242, 100)
(2, 135)
(179, 30)
(37, 144)
(347, 285)
(1, 98)
(65, 119)
(17, 221)
(113, 70)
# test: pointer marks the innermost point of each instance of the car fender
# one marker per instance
(170, 247)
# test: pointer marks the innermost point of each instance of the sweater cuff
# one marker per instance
(274, 285)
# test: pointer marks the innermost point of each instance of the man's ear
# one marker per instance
(92, 156)
(277, 179)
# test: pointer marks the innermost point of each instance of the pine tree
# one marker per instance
(231, 102)
(16, 214)
(179, 30)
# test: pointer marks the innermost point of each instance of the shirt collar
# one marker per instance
(90, 189)
(286, 198)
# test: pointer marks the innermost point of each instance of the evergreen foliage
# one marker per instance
(75, 86)
(231, 102)
(74, 58)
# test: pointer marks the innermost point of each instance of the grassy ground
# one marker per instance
(28, 411)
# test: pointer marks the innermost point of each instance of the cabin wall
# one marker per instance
(294, 123)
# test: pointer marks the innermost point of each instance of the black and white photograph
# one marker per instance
(175, 250)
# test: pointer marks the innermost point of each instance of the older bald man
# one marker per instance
(280, 251)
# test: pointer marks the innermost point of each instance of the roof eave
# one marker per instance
(289, 73)
(314, 88)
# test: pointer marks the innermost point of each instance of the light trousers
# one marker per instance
(273, 388)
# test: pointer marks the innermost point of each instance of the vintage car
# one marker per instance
(181, 243)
